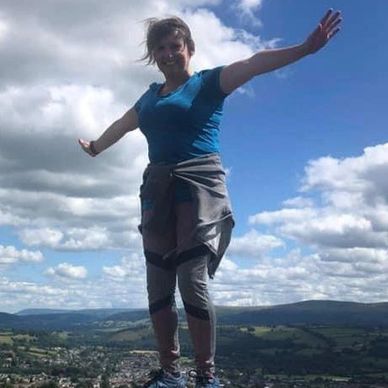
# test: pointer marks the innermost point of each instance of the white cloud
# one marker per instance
(367, 257)
(79, 78)
(10, 255)
(253, 244)
(73, 239)
(352, 206)
(249, 4)
(248, 9)
(130, 269)
(299, 202)
(342, 219)
(78, 293)
(3, 29)
(360, 174)
(336, 230)
(7, 218)
(228, 264)
(50, 237)
(65, 109)
(272, 281)
(360, 276)
(67, 271)
(280, 216)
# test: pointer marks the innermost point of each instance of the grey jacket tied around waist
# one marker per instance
(206, 178)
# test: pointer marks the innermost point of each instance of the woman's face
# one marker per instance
(172, 55)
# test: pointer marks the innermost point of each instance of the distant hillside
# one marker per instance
(309, 312)
(98, 313)
(301, 313)
(41, 311)
(135, 315)
(61, 321)
(8, 320)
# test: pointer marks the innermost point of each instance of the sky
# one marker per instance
(305, 149)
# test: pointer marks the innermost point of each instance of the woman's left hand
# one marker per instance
(327, 28)
(86, 147)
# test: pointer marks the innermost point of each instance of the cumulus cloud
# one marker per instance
(248, 9)
(298, 202)
(80, 76)
(253, 244)
(337, 230)
(3, 29)
(67, 271)
(270, 281)
(10, 255)
(299, 276)
(73, 239)
(363, 263)
(16, 295)
(289, 214)
(352, 210)
(130, 269)
(359, 173)
(342, 219)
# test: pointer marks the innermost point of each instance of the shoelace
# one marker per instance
(153, 375)
(201, 378)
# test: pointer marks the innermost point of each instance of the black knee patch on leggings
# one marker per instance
(162, 303)
(200, 250)
(158, 260)
(197, 312)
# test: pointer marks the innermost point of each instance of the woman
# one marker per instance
(186, 215)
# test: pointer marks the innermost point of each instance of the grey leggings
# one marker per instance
(190, 267)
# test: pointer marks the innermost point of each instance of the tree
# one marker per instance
(49, 384)
(105, 381)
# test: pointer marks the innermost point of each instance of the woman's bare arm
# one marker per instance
(238, 73)
(115, 132)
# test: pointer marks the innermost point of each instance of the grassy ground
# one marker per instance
(38, 352)
(281, 333)
(130, 335)
(6, 339)
(10, 338)
(355, 351)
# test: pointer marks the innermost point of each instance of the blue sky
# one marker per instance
(305, 148)
(331, 103)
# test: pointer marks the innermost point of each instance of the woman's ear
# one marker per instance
(191, 48)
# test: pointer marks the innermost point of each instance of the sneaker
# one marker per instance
(163, 379)
(202, 381)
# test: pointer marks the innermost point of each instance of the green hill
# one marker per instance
(318, 312)
(8, 320)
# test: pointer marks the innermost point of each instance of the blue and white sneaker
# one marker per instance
(202, 381)
(163, 379)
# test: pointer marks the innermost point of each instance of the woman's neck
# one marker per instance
(173, 81)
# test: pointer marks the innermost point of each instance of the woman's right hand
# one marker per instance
(85, 145)
(327, 28)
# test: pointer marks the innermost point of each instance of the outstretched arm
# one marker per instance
(236, 74)
(116, 131)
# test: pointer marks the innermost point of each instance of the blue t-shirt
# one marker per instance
(184, 123)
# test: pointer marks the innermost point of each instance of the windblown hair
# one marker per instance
(158, 29)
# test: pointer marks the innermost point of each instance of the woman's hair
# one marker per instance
(158, 29)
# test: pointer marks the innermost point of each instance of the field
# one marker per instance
(11, 338)
(336, 353)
